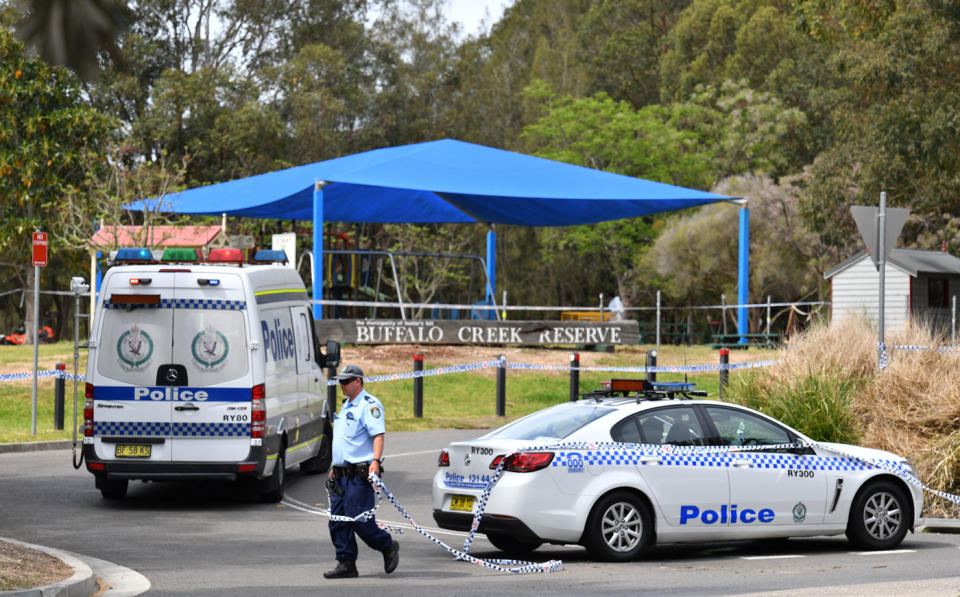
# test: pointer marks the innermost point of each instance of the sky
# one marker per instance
(470, 13)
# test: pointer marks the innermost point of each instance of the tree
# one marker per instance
(696, 256)
(49, 134)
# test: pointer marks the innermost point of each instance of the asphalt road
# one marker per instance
(215, 539)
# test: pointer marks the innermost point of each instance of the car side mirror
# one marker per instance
(331, 358)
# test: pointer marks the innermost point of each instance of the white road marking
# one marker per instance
(434, 451)
(784, 557)
(881, 553)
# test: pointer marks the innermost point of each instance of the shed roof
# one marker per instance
(913, 261)
(155, 236)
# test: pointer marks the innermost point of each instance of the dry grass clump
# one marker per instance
(912, 407)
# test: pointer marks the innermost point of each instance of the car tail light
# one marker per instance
(258, 416)
(88, 410)
(524, 462)
(444, 459)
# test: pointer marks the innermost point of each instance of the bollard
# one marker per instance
(651, 362)
(574, 376)
(418, 386)
(502, 385)
(724, 371)
(58, 392)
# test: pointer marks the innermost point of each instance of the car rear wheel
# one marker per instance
(879, 516)
(619, 528)
(508, 544)
(271, 490)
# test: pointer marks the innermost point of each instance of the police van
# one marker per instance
(204, 370)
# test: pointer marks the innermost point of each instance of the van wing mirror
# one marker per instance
(332, 357)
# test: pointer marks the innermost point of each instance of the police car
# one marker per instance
(640, 463)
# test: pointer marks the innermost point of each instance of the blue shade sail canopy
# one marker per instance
(443, 181)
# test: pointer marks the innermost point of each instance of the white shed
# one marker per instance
(919, 285)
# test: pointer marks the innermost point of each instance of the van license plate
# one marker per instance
(463, 503)
(138, 451)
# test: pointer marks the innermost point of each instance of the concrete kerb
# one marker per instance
(81, 584)
(114, 580)
(36, 446)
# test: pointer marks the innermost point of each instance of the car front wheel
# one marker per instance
(619, 528)
(878, 517)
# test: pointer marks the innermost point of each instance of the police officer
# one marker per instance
(358, 432)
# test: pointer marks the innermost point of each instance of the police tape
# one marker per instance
(25, 375)
(922, 348)
(500, 565)
(536, 366)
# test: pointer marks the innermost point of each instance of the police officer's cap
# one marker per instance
(349, 372)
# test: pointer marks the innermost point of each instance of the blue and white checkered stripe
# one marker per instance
(131, 429)
(211, 430)
(166, 429)
(215, 304)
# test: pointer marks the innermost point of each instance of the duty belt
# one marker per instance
(352, 469)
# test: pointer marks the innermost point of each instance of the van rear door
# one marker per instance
(131, 414)
(210, 418)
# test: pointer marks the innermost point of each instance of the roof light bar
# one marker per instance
(225, 255)
(270, 256)
(181, 255)
(133, 255)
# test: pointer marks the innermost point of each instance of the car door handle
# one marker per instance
(186, 407)
(646, 459)
(742, 463)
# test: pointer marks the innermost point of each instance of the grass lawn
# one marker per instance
(459, 400)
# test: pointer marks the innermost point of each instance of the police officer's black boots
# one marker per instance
(343, 570)
(391, 557)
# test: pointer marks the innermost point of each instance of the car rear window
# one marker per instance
(556, 422)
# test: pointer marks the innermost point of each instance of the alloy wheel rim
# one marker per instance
(882, 515)
(621, 527)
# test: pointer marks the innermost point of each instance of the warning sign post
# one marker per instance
(39, 260)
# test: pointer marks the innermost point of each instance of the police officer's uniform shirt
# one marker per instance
(354, 428)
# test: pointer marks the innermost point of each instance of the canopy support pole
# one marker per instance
(743, 272)
(491, 267)
(318, 248)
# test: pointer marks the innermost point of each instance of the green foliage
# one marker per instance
(49, 135)
(817, 404)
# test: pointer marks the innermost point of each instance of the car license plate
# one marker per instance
(137, 451)
(464, 503)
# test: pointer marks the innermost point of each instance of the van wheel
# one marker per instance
(112, 489)
(878, 516)
(321, 462)
(619, 528)
(271, 489)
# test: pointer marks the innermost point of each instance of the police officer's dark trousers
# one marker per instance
(358, 497)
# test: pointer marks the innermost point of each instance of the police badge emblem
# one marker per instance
(134, 348)
(209, 348)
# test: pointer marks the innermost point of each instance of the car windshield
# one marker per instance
(553, 423)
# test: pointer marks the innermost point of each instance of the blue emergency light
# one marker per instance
(270, 256)
(133, 255)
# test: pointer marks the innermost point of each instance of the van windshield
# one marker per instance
(135, 340)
